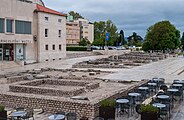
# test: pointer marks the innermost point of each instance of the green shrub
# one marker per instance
(149, 108)
(180, 53)
(108, 103)
(137, 49)
(1, 108)
(76, 48)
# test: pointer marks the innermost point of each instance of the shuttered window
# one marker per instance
(23, 27)
(1, 25)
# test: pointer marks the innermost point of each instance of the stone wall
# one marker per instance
(50, 105)
(56, 82)
(34, 88)
(97, 66)
(15, 79)
(46, 91)
(92, 86)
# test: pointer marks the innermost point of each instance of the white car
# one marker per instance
(120, 48)
(131, 47)
(95, 48)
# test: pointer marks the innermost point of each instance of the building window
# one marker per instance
(53, 47)
(46, 32)
(59, 33)
(9, 25)
(1, 25)
(46, 18)
(59, 47)
(59, 20)
(46, 47)
(23, 27)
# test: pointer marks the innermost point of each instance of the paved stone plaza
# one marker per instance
(170, 69)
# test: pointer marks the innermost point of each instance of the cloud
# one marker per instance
(129, 15)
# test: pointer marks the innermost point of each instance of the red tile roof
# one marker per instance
(41, 8)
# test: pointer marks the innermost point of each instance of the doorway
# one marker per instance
(6, 52)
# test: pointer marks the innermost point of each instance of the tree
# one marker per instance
(161, 36)
(100, 30)
(122, 37)
(84, 42)
(75, 15)
(135, 39)
(182, 41)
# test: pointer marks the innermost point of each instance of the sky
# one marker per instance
(128, 15)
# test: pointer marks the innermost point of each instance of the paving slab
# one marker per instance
(168, 69)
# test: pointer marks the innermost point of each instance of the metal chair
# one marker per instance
(138, 109)
(72, 116)
(30, 114)
(164, 112)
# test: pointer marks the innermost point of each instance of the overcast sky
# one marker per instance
(128, 15)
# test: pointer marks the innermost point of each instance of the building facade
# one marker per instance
(23, 28)
(51, 34)
(16, 38)
(86, 29)
(72, 33)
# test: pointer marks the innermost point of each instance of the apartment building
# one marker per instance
(72, 33)
(86, 29)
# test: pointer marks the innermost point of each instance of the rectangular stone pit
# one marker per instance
(63, 88)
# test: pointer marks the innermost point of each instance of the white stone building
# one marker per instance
(51, 34)
(31, 32)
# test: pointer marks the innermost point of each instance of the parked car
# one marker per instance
(95, 48)
(131, 47)
(111, 47)
(120, 48)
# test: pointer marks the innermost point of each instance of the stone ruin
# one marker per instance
(127, 60)
(54, 90)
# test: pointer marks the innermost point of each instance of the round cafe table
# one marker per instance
(177, 85)
(56, 117)
(122, 101)
(18, 114)
(159, 105)
(133, 96)
(172, 91)
(143, 88)
(179, 81)
(163, 97)
(144, 91)
(152, 84)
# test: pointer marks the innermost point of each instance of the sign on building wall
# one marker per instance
(15, 41)
(19, 52)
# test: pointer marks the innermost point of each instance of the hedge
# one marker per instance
(76, 48)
